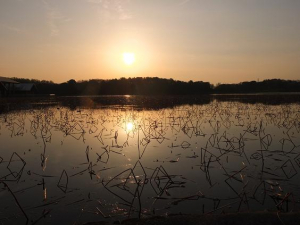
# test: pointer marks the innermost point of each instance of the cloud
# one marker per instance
(94, 1)
(113, 9)
(54, 17)
(11, 28)
(183, 2)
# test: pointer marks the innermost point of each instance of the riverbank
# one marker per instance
(261, 218)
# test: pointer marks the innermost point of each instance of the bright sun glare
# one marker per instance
(129, 126)
(128, 58)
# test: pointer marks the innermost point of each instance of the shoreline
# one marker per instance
(249, 218)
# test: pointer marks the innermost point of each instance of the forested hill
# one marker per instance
(158, 86)
(274, 85)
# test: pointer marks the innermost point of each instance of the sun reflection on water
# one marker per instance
(129, 126)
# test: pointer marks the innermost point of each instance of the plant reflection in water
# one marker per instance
(87, 164)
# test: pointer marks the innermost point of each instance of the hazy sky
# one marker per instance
(211, 40)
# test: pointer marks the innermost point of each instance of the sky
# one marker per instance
(219, 41)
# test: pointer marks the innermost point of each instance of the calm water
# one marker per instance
(73, 160)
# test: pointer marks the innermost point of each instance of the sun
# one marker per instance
(128, 58)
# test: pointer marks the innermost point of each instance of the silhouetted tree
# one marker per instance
(158, 86)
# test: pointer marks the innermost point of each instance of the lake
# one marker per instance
(69, 160)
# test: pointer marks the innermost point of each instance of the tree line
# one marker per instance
(157, 86)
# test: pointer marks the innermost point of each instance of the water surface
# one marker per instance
(77, 159)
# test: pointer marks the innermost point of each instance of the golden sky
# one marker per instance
(225, 41)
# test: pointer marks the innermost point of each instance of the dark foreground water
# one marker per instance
(77, 159)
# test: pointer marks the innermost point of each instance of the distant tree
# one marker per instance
(72, 82)
(158, 86)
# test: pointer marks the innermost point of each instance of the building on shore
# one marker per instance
(25, 89)
(7, 86)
